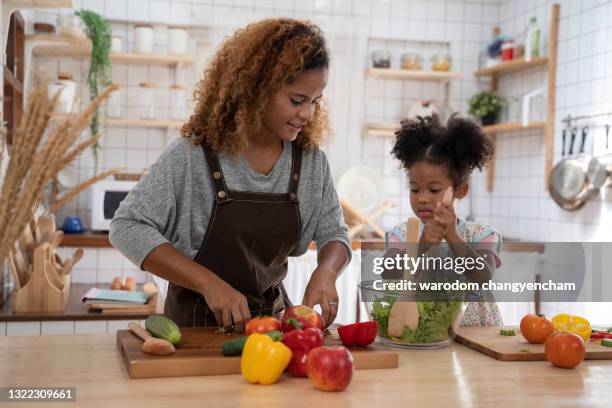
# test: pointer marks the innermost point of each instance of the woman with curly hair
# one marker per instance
(246, 186)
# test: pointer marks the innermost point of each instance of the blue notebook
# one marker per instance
(95, 295)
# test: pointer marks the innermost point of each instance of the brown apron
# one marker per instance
(247, 244)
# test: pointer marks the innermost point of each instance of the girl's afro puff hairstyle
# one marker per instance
(461, 145)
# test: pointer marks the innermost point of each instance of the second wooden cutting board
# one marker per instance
(199, 353)
(488, 341)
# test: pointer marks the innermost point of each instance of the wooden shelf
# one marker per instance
(548, 126)
(511, 66)
(387, 73)
(41, 3)
(382, 129)
(511, 127)
(151, 59)
(144, 123)
(47, 45)
(163, 124)
(89, 240)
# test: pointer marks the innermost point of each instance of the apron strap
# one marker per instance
(296, 168)
(216, 175)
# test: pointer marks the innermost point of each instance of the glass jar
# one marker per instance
(381, 59)
(441, 62)
(71, 25)
(177, 40)
(65, 87)
(178, 102)
(507, 50)
(115, 103)
(411, 60)
(147, 100)
(117, 43)
(143, 38)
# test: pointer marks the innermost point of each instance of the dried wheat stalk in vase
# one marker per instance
(68, 197)
(34, 163)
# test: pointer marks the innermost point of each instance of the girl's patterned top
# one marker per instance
(479, 235)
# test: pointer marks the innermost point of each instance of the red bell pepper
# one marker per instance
(262, 324)
(300, 342)
(358, 334)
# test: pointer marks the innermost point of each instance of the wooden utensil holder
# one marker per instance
(46, 290)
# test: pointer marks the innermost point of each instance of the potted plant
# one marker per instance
(485, 105)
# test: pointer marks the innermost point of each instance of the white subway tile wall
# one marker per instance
(519, 206)
(64, 328)
(23, 328)
(57, 328)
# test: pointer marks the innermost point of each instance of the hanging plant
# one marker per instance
(99, 32)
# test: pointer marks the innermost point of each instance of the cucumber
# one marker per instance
(234, 347)
(163, 328)
(606, 342)
(507, 332)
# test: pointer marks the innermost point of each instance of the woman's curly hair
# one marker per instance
(247, 71)
(461, 145)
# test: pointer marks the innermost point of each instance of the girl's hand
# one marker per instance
(321, 290)
(444, 216)
(433, 233)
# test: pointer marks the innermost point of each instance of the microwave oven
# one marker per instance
(106, 197)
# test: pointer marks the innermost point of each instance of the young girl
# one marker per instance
(437, 158)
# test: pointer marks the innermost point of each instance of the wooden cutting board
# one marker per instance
(199, 353)
(488, 341)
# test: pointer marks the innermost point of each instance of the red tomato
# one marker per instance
(565, 350)
(536, 329)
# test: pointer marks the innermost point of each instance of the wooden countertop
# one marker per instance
(451, 377)
(75, 310)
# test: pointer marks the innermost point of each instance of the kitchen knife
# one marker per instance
(564, 134)
(571, 149)
(585, 131)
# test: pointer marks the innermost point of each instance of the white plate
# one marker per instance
(67, 178)
(423, 346)
(362, 187)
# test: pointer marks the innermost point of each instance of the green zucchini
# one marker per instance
(606, 342)
(234, 347)
(163, 328)
(507, 332)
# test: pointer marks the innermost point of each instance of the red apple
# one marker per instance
(304, 315)
(330, 368)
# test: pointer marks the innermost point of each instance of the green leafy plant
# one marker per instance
(485, 103)
(99, 76)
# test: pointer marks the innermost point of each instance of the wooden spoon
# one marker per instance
(44, 229)
(70, 262)
(14, 271)
(56, 239)
(77, 255)
(21, 264)
(448, 195)
(151, 345)
(405, 312)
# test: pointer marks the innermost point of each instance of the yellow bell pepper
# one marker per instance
(263, 360)
(572, 324)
